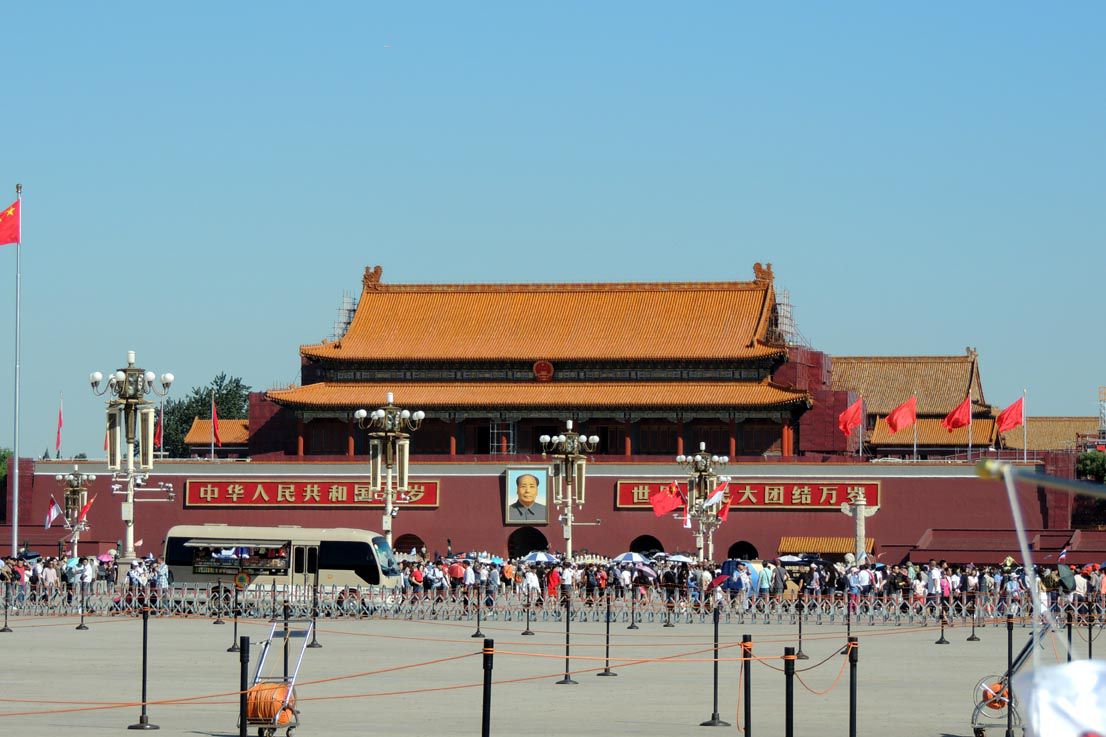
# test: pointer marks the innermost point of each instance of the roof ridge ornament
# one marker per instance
(371, 279)
(763, 274)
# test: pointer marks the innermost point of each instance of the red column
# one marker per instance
(627, 445)
(503, 444)
(349, 438)
(733, 438)
(680, 438)
(299, 437)
(787, 439)
(453, 437)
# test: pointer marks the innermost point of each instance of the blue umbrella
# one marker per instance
(629, 558)
(539, 556)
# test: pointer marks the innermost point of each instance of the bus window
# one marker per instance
(313, 561)
(350, 556)
(297, 560)
(384, 556)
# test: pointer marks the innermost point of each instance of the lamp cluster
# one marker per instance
(131, 382)
(389, 450)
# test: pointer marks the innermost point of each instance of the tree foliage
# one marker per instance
(5, 454)
(231, 401)
(1091, 465)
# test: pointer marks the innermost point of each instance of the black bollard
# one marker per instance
(218, 601)
(1010, 675)
(479, 608)
(314, 616)
(243, 684)
(1090, 631)
(527, 631)
(567, 680)
(6, 628)
(669, 608)
(1069, 634)
(848, 623)
(633, 608)
(287, 638)
(941, 640)
(234, 635)
(854, 658)
(84, 605)
(143, 718)
(789, 691)
(715, 720)
(607, 656)
(973, 637)
(800, 654)
(486, 717)
(747, 673)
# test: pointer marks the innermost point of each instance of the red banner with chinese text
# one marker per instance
(807, 495)
(254, 493)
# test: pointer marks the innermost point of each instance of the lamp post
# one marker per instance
(389, 445)
(130, 420)
(76, 494)
(702, 481)
(568, 473)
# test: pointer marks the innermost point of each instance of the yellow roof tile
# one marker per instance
(231, 432)
(885, 382)
(822, 544)
(932, 432)
(1050, 433)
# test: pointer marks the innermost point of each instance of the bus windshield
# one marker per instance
(384, 556)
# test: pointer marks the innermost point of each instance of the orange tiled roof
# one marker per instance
(885, 382)
(1050, 433)
(231, 432)
(932, 432)
(822, 544)
(449, 322)
(618, 395)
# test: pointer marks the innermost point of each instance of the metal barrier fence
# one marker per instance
(644, 605)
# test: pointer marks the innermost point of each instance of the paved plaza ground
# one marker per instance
(908, 686)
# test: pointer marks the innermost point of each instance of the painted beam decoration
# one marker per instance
(765, 495)
(326, 493)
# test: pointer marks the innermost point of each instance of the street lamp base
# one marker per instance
(81, 626)
(143, 723)
(714, 722)
(566, 681)
(607, 672)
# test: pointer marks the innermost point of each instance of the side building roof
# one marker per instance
(231, 432)
(605, 322)
(885, 382)
(1050, 433)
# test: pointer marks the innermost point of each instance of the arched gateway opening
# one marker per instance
(742, 550)
(525, 540)
(646, 545)
(407, 543)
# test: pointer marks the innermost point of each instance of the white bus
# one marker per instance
(285, 555)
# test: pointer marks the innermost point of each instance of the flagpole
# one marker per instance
(969, 426)
(1025, 427)
(18, 341)
(212, 425)
(915, 425)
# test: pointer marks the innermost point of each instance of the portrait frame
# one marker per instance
(512, 510)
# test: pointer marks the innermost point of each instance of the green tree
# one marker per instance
(231, 401)
(1091, 465)
(5, 454)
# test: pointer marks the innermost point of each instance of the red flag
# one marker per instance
(1011, 417)
(851, 418)
(105, 440)
(724, 510)
(215, 422)
(959, 417)
(84, 509)
(903, 416)
(160, 430)
(9, 224)
(57, 442)
(665, 499)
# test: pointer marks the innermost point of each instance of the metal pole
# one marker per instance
(7, 592)
(607, 652)
(854, 657)
(315, 609)
(234, 635)
(143, 718)
(486, 718)
(1010, 675)
(243, 684)
(802, 608)
(941, 640)
(1090, 631)
(975, 606)
(747, 669)
(388, 494)
(84, 605)
(633, 605)
(479, 608)
(15, 404)
(1069, 634)
(218, 601)
(715, 720)
(527, 630)
(789, 691)
(567, 680)
(287, 638)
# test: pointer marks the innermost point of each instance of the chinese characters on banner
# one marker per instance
(812, 495)
(310, 493)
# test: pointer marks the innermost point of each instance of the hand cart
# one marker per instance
(992, 697)
(271, 700)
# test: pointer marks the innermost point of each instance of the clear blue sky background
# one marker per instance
(204, 180)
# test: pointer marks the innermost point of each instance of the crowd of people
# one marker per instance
(51, 579)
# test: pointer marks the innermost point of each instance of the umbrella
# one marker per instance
(629, 558)
(679, 559)
(497, 560)
(104, 558)
(72, 563)
(717, 581)
(646, 570)
(1067, 578)
(790, 559)
(539, 556)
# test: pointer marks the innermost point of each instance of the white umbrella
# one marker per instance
(539, 556)
(679, 559)
(629, 558)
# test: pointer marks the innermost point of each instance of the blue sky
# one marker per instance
(204, 180)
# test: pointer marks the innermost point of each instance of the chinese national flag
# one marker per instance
(665, 500)
(724, 510)
(84, 510)
(215, 423)
(9, 224)
(159, 432)
(903, 416)
(1011, 417)
(851, 418)
(959, 417)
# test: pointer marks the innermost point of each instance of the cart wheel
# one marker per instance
(289, 732)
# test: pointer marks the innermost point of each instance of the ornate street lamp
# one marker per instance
(130, 420)
(389, 446)
(75, 491)
(701, 482)
(568, 473)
